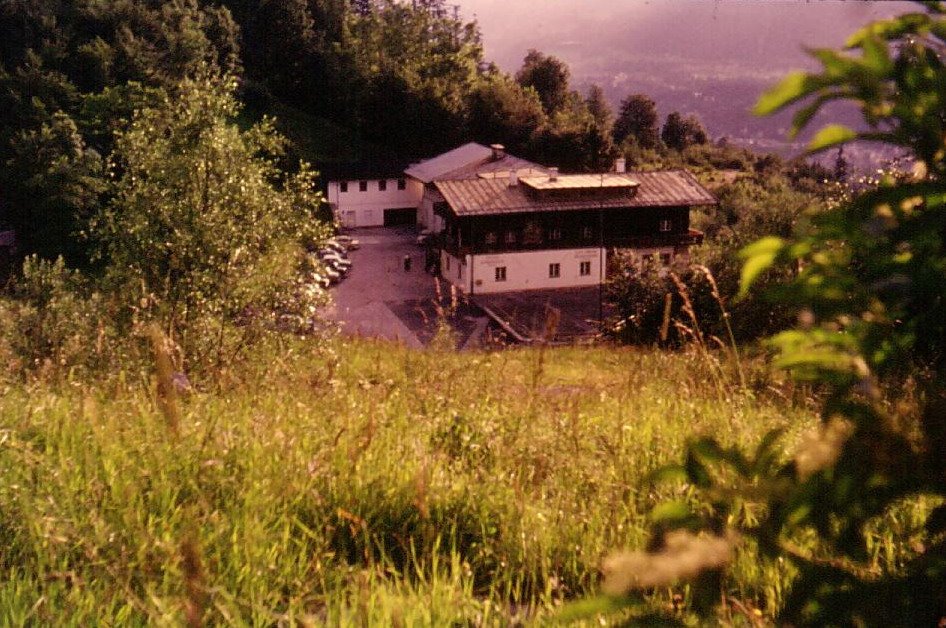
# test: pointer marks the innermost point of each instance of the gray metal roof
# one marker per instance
(432, 168)
(468, 162)
(481, 197)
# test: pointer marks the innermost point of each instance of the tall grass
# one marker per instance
(355, 483)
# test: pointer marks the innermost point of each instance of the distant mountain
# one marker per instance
(712, 58)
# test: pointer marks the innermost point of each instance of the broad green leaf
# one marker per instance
(834, 62)
(697, 473)
(671, 513)
(876, 56)
(831, 135)
(758, 257)
(889, 29)
(591, 608)
(795, 86)
(669, 473)
(804, 115)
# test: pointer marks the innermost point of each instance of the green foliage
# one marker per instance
(290, 492)
(51, 324)
(679, 132)
(53, 182)
(71, 72)
(599, 109)
(637, 119)
(548, 76)
(203, 229)
(503, 111)
(871, 332)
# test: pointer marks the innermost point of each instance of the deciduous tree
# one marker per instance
(637, 119)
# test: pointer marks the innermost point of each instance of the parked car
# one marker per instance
(334, 257)
(333, 275)
(347, 241)
(331, 250)
(329, 245)
(339, 266)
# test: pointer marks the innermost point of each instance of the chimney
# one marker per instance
(553, 173)
(620, 165)
(499, 151)
(513, 178)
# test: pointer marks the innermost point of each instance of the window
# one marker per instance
(666, 225)
(490, 238)
(448, 263)
(500, 273)
(665, 259)
(555, 234)
(459, 271)
(510, 237)
(555, 270)
(382, 185)
(584, 269)
(532, 233)
(343, 186)
(401, 184)
(586, 233)
(362, 186)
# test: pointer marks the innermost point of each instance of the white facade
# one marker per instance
(525, 270)
(362, 203)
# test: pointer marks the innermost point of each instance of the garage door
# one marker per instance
(403, 216)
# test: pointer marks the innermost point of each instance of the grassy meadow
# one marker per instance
(358, 482)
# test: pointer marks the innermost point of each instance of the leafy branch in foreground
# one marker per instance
(872, 291)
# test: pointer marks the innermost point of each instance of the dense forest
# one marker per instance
(184, 440)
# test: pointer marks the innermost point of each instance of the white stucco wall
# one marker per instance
(530, 270)
(526, 270)
(355, 208)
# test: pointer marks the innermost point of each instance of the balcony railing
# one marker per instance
(451, 245)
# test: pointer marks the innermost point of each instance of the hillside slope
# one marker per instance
(355, 482)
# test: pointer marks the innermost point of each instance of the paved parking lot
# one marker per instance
(380, 299)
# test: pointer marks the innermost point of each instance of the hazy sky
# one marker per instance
(767, 34)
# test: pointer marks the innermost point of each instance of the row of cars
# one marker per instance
(332, 257)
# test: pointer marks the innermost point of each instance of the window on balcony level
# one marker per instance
(510, 237)
(666, 225)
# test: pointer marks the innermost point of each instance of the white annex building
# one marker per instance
(408, 197)
(504, 224)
